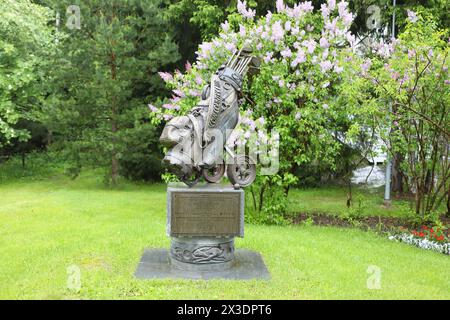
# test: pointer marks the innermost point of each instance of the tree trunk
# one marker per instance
(114, 126)
(397, 175)
(448, 202)
(114, 161)
(23, 159)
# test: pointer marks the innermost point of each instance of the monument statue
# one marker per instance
(197, 141)
(203, 220)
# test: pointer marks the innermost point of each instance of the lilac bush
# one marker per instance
(304, 55)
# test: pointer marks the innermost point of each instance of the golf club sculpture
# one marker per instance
(197, 141)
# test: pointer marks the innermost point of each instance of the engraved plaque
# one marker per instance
(205, 212)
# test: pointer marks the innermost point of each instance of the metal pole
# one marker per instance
(387, 187)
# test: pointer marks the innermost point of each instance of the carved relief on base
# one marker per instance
(202, 253)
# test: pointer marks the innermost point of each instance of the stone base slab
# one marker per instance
(247, 265)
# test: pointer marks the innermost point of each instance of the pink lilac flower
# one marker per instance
(325, 66)
(325, 10)
(404, 79)
(325, 54)
(306, 6)
(351, 39)
(230, 46)
(246, 13)
(342, 8)
(169, 106)
(300, 58)
(411, 53)
(194, 93)
(261, 120)
(165, 76)
(178, 92)
(309, 28)
(277, 32)
(412, 16)
(242, 31)
(324, 42)
(188, 66)
(280, 6)
(395, 75)
(331, 4)
(268, 17)
(277, 100)
(338, 69)
(385, 50)
(287, 26)
(262, 136)
(225, 26)
(347, 18)
(295, 31)
(287, 53)
(198, 80)
(296, 12)
(366, 65)
(331, 26)
(310, 44)
(167, 117)
(175, 99)
(205, 51)
(250, 123)
(152, 108)
(281, 83)
(447, 81)
(268, 57)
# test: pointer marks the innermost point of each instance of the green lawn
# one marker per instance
(46, 226)
(332, 200)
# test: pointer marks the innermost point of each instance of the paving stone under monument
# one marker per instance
(247, 265)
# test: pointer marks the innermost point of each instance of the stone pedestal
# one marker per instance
(202, 222)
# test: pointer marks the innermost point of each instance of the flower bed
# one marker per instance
(426, 238)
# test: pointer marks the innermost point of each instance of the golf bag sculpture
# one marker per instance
(197, 141)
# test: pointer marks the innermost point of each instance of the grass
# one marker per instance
(48, 225)
(332, 200)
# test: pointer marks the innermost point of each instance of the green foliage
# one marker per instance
(406, 90)
(103, 73)
(39, 166)
(141, 156)
(25, 42)
(357, 210)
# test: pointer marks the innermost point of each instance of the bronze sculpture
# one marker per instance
(197, 141)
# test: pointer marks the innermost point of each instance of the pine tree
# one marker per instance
(103, 74)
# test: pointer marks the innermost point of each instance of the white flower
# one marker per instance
(412, 16)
